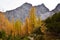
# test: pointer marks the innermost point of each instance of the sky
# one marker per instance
(12, 4)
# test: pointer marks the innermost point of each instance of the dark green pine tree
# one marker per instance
(53, 23)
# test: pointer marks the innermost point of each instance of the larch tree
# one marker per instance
(28, 26)
(17, 26)
(32, 16)
(5, 23)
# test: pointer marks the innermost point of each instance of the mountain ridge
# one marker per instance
(23, 11)
(57, 8)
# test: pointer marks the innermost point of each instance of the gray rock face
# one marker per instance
(41, 9)
(19, 13)
(23, 11)
(57, 9)
(46, 15)
(43, 12)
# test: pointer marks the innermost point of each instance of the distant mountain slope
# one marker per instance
(23, 11)
(41, 9)
(57, 9)
(43, 12)
(46, 15)
(19, 13)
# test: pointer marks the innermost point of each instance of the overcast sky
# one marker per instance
(12, 4)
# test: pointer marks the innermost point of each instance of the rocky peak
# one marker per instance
(19, 13)
(57, 9)
(41, 9)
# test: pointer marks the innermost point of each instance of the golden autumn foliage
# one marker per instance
(23, 29)
(28, 25)
(36, 21)
(5, 24)
(32, 17)
(17, 26)
(20, 28)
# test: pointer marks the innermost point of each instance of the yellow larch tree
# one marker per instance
(23, 29)
(17, 26)
(39, 22)
(5, 24)
(28, 26)
(32, 17)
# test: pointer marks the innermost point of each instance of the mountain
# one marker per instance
(57, 9)
(46, 15)
(43, 12)
(19, 13)
(23, 11)
(41, 9)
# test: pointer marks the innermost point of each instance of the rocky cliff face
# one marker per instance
(57, 9)
(19, 13)
(23, 11)
(41, 9)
